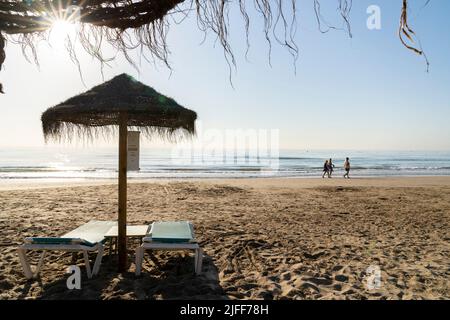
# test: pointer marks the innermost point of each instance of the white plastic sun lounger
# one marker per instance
(86, 238)
(170, 236)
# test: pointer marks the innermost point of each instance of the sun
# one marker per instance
(62, 29)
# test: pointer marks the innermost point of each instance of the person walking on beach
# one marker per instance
(347, 168)
(330, 168)
(325, 169)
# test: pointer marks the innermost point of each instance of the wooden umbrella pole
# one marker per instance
(122, 227)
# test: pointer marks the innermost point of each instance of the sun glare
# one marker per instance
(60, 30)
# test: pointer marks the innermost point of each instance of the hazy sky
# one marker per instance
(367, 92)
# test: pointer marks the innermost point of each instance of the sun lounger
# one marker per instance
(86, 238)
(170, 236)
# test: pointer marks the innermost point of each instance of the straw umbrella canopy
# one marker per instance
(119, 103)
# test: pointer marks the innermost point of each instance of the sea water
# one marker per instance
(101, 163)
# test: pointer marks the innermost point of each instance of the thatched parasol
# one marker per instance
(122, 102)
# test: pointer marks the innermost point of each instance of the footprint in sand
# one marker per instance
(341, 278)
(314, 255)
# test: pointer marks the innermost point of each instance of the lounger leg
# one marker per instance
(24, 262)
(139, 257)
(98, 260)
(39, 266)
(199, 260)
(74, 257)
(196, 261)
(86, 262)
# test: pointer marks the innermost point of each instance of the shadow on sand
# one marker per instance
(164, 276)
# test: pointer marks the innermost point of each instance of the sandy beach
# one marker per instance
(262, 238)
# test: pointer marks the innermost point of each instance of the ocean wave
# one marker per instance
(29, 164)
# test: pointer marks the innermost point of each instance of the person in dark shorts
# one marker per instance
(330, 168)
(325, 169)
(347, 168)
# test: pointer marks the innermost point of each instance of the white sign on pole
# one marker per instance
(133, 151)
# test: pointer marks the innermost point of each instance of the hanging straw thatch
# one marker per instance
(26, 21)
(96, 112)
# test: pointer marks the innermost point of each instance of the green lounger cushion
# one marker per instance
(171, 232)
(56, 240)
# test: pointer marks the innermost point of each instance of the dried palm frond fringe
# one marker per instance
(59, 131)
(96, 112)
(131, 24)
(405, 31)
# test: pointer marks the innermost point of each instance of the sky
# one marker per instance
(366, 92)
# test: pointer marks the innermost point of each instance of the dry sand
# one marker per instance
(263, 238)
